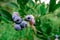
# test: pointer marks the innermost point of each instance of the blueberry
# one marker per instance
(30, 18)
(17, 27)
(17, 20)
(14, 15)
(23, 24)
(27, 19)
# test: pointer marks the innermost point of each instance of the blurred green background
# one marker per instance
(47, 19)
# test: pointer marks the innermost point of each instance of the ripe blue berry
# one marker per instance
(30, 18)
(14, 15)
(17, 20)
(17, 27)
(23, 24)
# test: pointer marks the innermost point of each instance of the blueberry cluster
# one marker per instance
(19, 23)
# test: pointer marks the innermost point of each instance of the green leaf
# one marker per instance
(12, 4)
(56, 6)
(41, 10)
(31, 4)
(0, 17)
(22, 13)
(49, 30)
(22, 2)
(4, 0)
(5, 20)
(6, 14)
(52, 4)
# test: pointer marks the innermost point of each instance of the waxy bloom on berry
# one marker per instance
(17, 27)
(23, 24)
(16, 18)
(30, 18)
(14, 15)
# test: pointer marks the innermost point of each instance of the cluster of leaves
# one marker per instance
(46, 22)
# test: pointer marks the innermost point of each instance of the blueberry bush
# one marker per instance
(14, 25)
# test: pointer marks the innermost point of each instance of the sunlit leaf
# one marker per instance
(11, 4)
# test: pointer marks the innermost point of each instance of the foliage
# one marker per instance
(47, 20)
